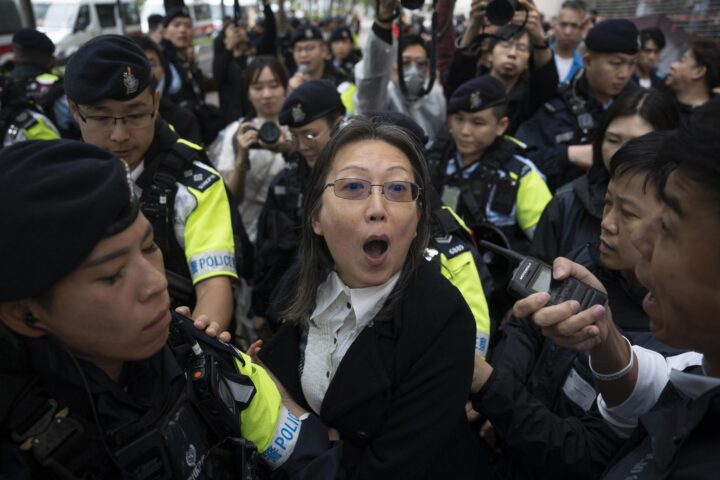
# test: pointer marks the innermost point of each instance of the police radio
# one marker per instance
(532, 276)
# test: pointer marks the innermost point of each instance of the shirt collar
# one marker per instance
(135, 174)
(693, 385)
(365, 302)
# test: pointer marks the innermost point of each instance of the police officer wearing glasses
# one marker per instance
(311, 112)
(112, 95)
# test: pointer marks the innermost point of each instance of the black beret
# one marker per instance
(341, 33)
(107, 67)
(306, 32)
(155, 19)
(310, 101)
(59, 199)
(174, 12)
(614, 36)
(31, 39)
(401, 120)
(477, 94)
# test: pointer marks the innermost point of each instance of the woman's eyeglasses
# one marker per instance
(356, 189)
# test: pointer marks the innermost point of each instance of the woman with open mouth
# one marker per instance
(376, 342)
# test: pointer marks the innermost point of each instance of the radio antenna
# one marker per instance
(507, 253)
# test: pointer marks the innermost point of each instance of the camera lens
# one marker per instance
(500, 12)
(269, 132)
(412, 4)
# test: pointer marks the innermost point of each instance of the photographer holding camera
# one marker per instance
(378, 87)
(249, 152)
(517, 54)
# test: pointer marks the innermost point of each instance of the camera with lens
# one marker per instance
(268, 133)
(500, 12)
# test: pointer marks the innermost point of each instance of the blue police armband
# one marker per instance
(287, 431)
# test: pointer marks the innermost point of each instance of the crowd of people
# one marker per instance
(297, 282)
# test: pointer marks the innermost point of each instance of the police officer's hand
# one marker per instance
(581, 156)
(564, 323)
(533, 26)
(203, 323)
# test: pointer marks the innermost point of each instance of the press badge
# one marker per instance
(579, 391)
(450, 196)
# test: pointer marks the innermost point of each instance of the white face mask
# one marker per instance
(414, 82)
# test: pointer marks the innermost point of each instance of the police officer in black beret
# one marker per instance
(560, 134)
(29, 93)
(344, 52)
(112, 95)
(310, 54)
(311, 112)
(483, 174)
(100, 379)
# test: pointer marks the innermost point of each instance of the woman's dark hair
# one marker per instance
(656, 108)
(317, 261)
(253, 71)
(641, 155)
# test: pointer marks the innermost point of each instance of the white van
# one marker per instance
(200, 13)
(207, 15)
(71, 23)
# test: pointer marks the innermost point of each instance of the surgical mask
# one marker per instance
(414, 82)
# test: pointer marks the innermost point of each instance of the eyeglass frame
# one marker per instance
(510, 44)
(414, 188)
(112, 126)
(307, 138)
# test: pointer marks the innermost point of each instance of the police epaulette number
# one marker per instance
(199, 178)
(450, 245)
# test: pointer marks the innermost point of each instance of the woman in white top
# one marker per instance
(375, 341)
(247, 163)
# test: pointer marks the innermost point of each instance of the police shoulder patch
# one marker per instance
(25, 120)
(450, 245)
(199, 177)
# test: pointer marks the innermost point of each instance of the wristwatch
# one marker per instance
(542, 46)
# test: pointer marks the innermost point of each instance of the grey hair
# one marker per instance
(316, 260)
